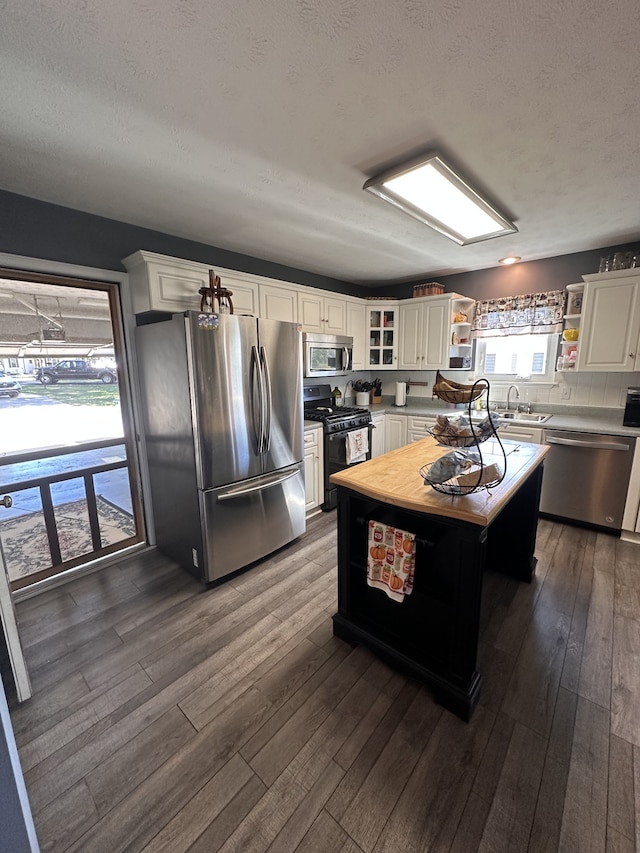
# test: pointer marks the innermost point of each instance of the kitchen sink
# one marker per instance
(524, 417)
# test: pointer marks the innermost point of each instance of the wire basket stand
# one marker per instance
(483, 477)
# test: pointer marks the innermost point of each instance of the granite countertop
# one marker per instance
(597, 419)
(573, 418)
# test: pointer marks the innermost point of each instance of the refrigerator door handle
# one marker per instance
(266, 443)
(259, 487)
(258, 411)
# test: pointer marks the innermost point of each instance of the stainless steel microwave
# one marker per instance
(327, 355)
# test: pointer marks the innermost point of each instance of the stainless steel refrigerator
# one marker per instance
(222, 401)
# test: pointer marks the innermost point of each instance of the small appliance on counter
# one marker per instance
(632, 408)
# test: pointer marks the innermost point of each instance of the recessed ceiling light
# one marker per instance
(429, 190)
(512, 259)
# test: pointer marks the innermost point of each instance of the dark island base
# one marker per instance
(433, 634)
(459, 700)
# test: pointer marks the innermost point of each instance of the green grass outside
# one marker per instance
(76, 393)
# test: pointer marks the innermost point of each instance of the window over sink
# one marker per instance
(531, 356)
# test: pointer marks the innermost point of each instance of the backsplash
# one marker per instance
(607, 390)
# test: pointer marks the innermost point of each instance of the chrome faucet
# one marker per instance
(511, 388)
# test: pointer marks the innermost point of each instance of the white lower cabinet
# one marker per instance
(378, 433)
(313, 462)
(395, 432)
(417, 427)
(631, 517)
(515, 432)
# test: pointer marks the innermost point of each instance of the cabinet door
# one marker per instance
(395, 432)
(436, 334)
(377, 438)
(245, 298)
(278, 303)
(610, 325)
(410, 345)
(312, 476)
(310, 313)
(382, 332)
(356, 320)
(335, 315)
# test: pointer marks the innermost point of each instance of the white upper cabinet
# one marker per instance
(610, 326)
(425, 332)
(357, 329)
(382, 335)
(318, 312)
(161, 283)
(279, 302)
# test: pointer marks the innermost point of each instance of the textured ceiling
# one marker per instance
(252, 125)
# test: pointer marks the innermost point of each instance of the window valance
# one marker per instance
(527, 314)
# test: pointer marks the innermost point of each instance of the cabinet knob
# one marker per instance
(632, 355)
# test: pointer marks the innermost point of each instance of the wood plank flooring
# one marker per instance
(170, 717)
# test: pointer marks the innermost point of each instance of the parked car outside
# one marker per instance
(75, 368)
(8, 385)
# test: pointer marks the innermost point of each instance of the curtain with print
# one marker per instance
(527, 314)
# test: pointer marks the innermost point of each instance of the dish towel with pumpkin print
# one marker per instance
(391, 559)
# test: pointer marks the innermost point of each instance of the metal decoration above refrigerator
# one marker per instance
(222, 400)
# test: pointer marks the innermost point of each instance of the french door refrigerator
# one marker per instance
(222, 403)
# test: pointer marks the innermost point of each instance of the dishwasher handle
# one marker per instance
(594, 445)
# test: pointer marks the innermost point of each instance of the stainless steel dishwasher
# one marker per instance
(586, 477)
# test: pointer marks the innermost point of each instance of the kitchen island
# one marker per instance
(433, 633)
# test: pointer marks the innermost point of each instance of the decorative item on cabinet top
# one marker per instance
(430, 288)
(215, 299)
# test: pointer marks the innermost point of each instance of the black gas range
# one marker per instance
(319, 406)
(337, 422)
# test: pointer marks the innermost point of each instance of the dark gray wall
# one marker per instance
(38, 229)
(525, 277)
(42, 230)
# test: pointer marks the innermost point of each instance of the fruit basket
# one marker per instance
(455, 392)
(462, 432)
(476, 477)
(463, 471)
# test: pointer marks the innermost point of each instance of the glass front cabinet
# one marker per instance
(382, 336)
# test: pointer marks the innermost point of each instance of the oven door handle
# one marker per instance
(334, 435)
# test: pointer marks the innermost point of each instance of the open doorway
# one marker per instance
(67, 450)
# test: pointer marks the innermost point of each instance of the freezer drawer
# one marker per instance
(586, 477)
(246, 521)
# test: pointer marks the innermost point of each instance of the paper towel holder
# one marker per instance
(401, 394)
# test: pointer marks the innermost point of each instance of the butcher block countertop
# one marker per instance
(395, 479)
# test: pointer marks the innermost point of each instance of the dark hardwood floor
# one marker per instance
(170, 717)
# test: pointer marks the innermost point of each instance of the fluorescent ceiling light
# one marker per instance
(429, 190)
